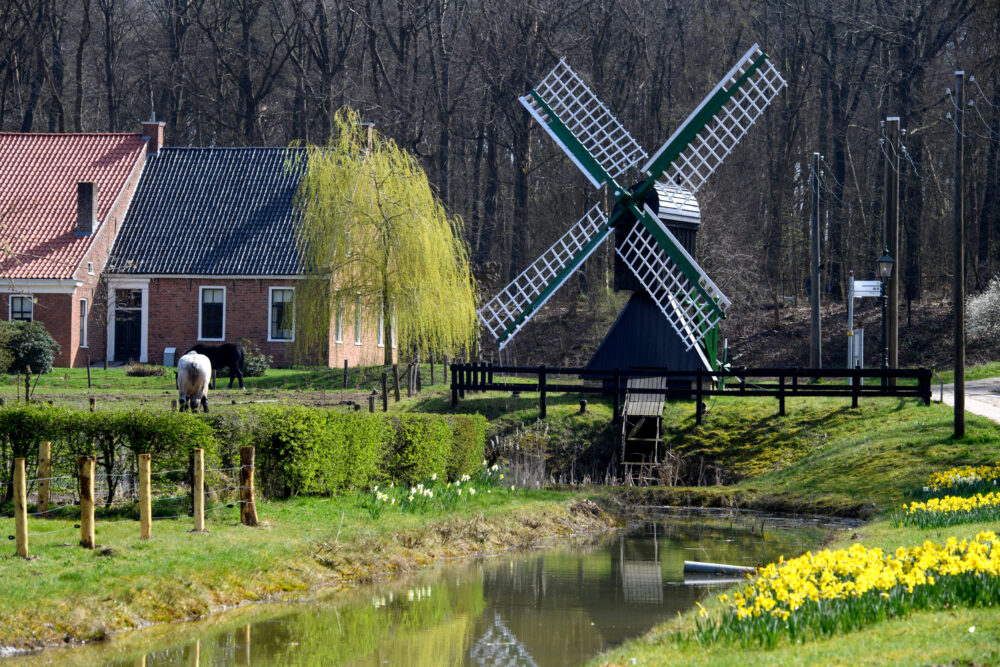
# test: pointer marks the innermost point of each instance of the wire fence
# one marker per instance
(130, 496)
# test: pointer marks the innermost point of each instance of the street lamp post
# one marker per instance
(885, 264)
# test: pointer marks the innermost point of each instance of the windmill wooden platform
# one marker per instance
(642, 431)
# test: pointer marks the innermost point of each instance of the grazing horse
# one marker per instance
(193, 373)
(227, 354)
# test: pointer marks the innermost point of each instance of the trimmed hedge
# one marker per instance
(299, 450)
(303, 450)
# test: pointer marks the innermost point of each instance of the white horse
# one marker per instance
(194, 372)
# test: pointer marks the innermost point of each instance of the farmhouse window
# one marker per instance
(282, 325)
(338, 327)
(21, 308)
(212, 314)
(380, 335)
(357, 322)
(83, 323)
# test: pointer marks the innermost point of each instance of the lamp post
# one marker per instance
(885, 264)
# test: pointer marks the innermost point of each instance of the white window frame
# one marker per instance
(90, 268)
(201, 289)
(338, 318)
(10, 307)
(358, 320)
(84, 314)
(380, 332)
(270, 304)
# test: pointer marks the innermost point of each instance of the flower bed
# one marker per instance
(964, 480)
(950, 511)
(840, 590)
(434, 493)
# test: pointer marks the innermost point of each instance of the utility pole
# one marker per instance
(816, 341)
(959, 287)
(893, 151)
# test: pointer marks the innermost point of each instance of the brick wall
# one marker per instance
(173, 320)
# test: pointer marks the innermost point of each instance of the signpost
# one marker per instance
(858, 289)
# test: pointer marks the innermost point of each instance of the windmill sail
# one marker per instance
(693, 308)
(582, 126)
(708, 135)
(511, 309)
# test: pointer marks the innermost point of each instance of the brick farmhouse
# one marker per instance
(183, 246)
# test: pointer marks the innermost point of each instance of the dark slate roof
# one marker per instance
(212, 211)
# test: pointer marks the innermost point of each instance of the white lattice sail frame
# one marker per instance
(504, 309)
(588, 119)
(703, 155)
(684, 306)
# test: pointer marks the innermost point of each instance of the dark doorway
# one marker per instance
(128, 321)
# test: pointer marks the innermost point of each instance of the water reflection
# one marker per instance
(554, 607)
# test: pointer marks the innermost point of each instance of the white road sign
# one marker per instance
(867, 288)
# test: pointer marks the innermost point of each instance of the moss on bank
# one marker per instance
(70, 594)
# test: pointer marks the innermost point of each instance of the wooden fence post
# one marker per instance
(924, 384)
(248, 506)
(93, 403)
(20, 508)
(44, 474)
(699, 408)
(345, 373)
(199, 490)
(145, 497)
(541, 392)
(409, 380)
(855, 385)
(86, 471)
(454, 385)
(781, 395)
(395, 382)
(463, 377)
(385, 392)
(371, 401)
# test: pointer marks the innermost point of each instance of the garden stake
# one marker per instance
(86, 467)
(145, 499)
(20, 508)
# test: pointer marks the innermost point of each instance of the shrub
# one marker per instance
(468, 444)
(255, 362)
(982, 312)
(421, 448)
(141, 370)
(29, 344)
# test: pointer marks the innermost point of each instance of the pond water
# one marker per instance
(560, 605)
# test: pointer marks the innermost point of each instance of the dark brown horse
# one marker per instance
(227, 354)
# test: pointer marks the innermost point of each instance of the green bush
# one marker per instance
(468, 444)
(28, 344)
(115, 437)
(314, 451)
(141, 370)
(421, 448)
(299, 450)
(255, 362)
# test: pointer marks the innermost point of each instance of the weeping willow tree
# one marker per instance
(374, 235)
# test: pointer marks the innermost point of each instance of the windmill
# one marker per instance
(600, 146)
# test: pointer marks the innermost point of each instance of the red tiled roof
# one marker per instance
(38, 184)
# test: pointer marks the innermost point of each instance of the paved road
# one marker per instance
(982, 397)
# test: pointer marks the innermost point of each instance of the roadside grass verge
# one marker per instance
(69, 594)
(976, 372)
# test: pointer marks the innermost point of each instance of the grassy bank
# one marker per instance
(825, 458)
(69, 594)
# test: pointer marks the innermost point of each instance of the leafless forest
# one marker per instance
(442, 78)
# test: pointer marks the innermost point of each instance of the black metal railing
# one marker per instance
(780, 383)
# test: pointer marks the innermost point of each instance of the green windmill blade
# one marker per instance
(604, 151)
